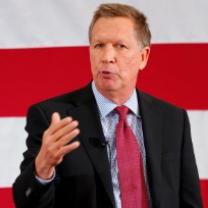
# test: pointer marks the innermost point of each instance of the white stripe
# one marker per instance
(29, 23)
(199, 129)
(12, 145)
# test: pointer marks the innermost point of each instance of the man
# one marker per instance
(109, 145)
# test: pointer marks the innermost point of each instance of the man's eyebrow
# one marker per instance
(97, 40)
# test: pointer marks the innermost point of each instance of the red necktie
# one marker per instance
(130, 165)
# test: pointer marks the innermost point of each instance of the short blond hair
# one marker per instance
(122, 10)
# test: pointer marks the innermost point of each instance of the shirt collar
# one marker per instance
(105, 105)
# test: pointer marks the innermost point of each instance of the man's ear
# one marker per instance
(143, 57)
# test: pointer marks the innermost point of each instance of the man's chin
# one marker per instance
(107, 86)
(108, 89)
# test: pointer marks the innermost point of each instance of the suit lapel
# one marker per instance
(92, 138)
(152, 121)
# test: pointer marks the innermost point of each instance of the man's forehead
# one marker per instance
(121, 21)
(118, 28)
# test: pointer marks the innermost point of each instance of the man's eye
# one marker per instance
(99, 45)
(121, 46)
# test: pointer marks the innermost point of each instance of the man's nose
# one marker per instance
(108, 55)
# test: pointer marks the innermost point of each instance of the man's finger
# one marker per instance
(67, 138)
(60, 124)
(68, 148)
(55, 118)
(65, 130)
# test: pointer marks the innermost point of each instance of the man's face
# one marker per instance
(116, 55)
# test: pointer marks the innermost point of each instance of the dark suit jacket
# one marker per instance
(83, 179)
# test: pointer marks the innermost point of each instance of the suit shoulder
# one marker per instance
(162, 104)
(63, 101)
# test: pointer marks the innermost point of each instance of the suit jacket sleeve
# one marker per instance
(27, 191)
(190, 187)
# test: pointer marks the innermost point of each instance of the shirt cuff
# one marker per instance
(45, 181)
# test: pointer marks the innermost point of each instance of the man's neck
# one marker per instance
(117, 97)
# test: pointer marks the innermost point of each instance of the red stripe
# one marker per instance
(177, 73)
(204, 191)
(6, 200)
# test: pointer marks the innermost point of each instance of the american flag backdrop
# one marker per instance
(44, 53)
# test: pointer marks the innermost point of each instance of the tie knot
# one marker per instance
(122, 111)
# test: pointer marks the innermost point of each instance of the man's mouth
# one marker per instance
(106, 74)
